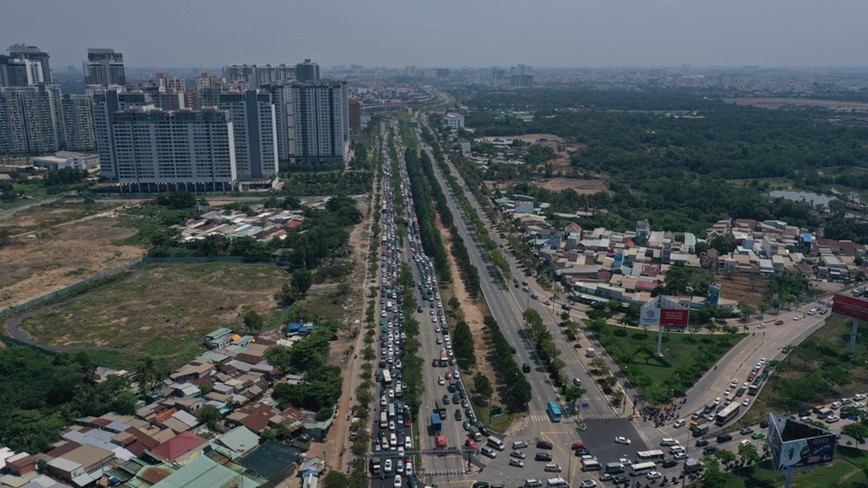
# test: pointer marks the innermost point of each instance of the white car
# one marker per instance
(653, 475)
(622, 440)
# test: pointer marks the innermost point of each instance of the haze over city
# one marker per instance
(557, 33)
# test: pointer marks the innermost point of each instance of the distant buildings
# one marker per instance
(321, 123)
(104, 67)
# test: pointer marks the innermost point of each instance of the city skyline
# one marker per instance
(553, 33)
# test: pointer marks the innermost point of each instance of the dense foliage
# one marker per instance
(41, 394)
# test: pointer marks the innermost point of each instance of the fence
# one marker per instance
(111, 272)
(71, 288)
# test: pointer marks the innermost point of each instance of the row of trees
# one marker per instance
(516, 389)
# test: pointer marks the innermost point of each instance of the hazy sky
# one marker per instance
(194, 33)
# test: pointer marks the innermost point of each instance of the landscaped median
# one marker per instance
(686, 357)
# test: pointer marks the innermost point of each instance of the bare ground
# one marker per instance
(56, 247)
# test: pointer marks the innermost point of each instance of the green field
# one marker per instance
(847, 470)
(162, 310)
(686, 357)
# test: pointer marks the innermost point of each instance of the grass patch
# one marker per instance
(162, 310)
(686, 357)
(847, 470)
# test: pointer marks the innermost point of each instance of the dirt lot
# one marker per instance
(161, 309)
(743, 288)
(55, 246)
(580, 186)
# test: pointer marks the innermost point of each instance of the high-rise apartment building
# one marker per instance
(307, 71)
(255, 132)
(281, 96)
(355, 114)
(106, 103)
(104, 67)
(156, 149)
(20, 72)
(78, 131)
(30, 119)
(32, 54)
(321, 122)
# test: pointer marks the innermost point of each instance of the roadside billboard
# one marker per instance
(795, 444)
(852, 307)
(671, 317)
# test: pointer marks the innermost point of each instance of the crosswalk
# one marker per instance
(585, 416)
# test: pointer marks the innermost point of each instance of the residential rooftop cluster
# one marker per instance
(165, 445)
(602, 264)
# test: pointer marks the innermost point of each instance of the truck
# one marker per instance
(701, 430)
(436, 424)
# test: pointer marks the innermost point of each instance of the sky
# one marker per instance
(451, 33)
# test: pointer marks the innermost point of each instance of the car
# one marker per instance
(678, 423)
(542, 456)
(544, 445)
(588, 484)
(622, 440)
(779, 322)
(653, 475)
(518, 454)
(398, 481)
(516, 462)
(757, 435)
(745, 402)
(701, 442)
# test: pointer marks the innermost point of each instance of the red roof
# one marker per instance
(177, 446)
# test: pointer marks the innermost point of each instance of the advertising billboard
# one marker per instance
(795, 444)
(852, 307)
(649, 314)
(671, 317)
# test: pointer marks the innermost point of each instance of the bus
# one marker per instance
(639, 469)
(554, 412)
(728, 413)
(387, 377)
(649, 456)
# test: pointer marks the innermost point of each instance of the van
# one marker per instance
(496, 443)
(666, 441)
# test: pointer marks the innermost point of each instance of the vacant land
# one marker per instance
(686, 357)
(56, 245)
(580, 186)
(775, 103)
(161, 309)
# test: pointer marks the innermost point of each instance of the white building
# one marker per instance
(157, 149)
(320, 114)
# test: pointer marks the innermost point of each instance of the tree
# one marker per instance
(749, 453)
(302, 279)
(856, 431)
(482, 385)
(252, 320)
(209, 415)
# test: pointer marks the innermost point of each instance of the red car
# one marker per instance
(470, 443)
(578, 445)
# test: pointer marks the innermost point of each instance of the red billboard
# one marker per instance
(674, 317)
(852, 307)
